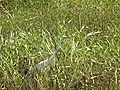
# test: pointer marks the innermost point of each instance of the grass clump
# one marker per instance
(89, 60)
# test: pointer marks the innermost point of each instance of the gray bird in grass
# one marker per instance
(43, 64)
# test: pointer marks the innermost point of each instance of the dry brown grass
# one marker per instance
(3, 11)
(95, 80)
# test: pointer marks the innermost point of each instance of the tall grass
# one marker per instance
(89, 60)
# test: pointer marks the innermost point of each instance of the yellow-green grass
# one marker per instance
(89, 60)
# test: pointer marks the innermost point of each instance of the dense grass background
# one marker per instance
(89, 60)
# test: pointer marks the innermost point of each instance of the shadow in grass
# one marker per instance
(31, 83)
(97, 81)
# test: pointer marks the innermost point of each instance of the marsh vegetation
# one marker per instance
(30, 31)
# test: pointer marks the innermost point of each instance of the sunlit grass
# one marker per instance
(30, 32)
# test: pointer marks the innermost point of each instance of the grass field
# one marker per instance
(30, 31)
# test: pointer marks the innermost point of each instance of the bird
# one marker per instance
(46, 63)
